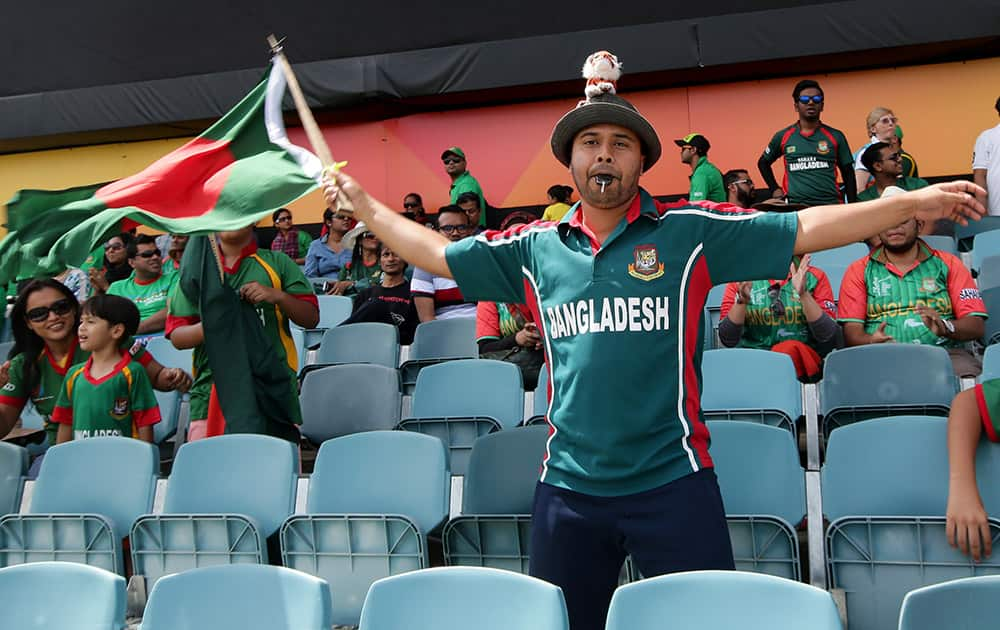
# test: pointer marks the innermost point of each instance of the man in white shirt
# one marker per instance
(986, 165)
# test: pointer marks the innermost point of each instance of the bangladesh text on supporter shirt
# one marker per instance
(614, 314)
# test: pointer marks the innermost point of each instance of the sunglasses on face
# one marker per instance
(453, 229)
(748, 182)
(113, 247)
(895, 157)
(368, 235)
(282, 219)
(816, 98)
(411, 204)
(887, 120)
(452, 160)
(342, 217)
(40, 314)
(149, 254)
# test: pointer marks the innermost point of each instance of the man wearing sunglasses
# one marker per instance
(462, 180)
(812, 154)
(148, 286)
(438, 297)
(886, 166)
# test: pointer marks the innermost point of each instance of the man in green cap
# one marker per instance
(462, 180)
(706, 179)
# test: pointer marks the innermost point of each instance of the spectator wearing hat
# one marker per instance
(812, 153)
(462, 180)
(886, 166)
(706, 179)
(986, 164)
(559, 198)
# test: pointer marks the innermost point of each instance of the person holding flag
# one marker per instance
(618, 289)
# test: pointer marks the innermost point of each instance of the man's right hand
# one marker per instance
(343, 184)
(966, 524)
(879, 335)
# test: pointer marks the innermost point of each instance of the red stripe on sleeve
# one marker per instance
(63, 415)
(144, 417)
(308, 298)
(13, 401)
(176, 321)
(854, 292)
(728, 299)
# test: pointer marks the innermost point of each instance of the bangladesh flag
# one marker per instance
(237, 172)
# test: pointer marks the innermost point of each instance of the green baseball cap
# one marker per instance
(453, 151)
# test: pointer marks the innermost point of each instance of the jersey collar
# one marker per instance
(924, 252)
(141, 283)
(67, 361)
(126, 357)
(642, 205)
(248, 251)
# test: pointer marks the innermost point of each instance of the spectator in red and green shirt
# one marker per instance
(904, 291)
(289, 239)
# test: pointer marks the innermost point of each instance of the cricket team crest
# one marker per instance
(823, 147)
(120, 410)
(647, 265)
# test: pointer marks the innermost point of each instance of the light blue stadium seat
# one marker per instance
(835, 274)
(436, 341)
(459, 598)
(13, 467)
(225, 496)
(763, 489)
(344, 399)
(965, 234)
(495, 525)
(991, 364)
(239, 597)
(992, 299)
(721, 600)
(167, 355)
(460, 400)
(364, 342)
(839, 256)
(885, 489)
(61, 595)
(984, 245)
(373, 498)
(941, 243)
(965, 604)
(751, 385)
(86, 497)
(170, 408)
(333, 309)
(299, 341)
(883, 380)
(989, 273)
(541, 400)
(713, 307)
(5, 347)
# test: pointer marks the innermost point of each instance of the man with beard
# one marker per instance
(906, 292)
(617, 289)
(739, 188)
(812, 153)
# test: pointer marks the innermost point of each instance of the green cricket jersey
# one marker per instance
(810, 162)
(114, 405)
(875, 291)
(150, 297)
(906, 183)
(270, 269)
(706, 182)
(622, 325)
(51, 374)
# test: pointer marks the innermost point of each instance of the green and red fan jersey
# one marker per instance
(875, 291)
(150, 297)
(988, 401)
(763, 326)
(622, 325)
(906, 183)
(116, 404)
(810, 162)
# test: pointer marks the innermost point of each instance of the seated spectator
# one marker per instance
(363, 270)
(973, 412)
(739, 188)
(115, 264)
(109, 394)
(796, 315)
(176, 244)
(560, 198)
(507, 332)
(904, 291)
(472, 205)
(147, 287)
(881, 126)
(389, 301)
(289, 239)
(886, 166)
(45, 319)
(77, 281)
(413, 208)
(327, 255)
(437, 297)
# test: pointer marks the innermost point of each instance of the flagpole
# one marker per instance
(312, 130)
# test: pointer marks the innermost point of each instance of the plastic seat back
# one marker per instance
(86, 597)
(713, 309)
(965, 234)
(470, 387)
(984, 245)
(755, 385)
(885, 379)
(503, 471)
(344, 399)
(453, 338)
(239, 597)
(13, 466)
(991, 364)
(170, 408)
(941, 243)
(964, 604)
(364, 342)
(720, 600)
(541, 402)
(333, 309)
(167, 355)
(989, 273)
(839, 257)
(457, 598)
(992, 299)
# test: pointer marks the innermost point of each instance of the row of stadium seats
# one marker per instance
(376, 497)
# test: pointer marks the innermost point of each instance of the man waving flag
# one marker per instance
(239, 170)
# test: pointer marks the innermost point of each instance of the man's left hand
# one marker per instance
(255, 293)
(932, 319)
(960, 201)
(175, 379)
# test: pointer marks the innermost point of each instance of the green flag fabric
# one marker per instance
(238, 171)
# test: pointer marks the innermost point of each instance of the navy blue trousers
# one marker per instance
(579, 541)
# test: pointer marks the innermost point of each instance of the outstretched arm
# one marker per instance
(824, 227)
(967, 527)
(413, 242)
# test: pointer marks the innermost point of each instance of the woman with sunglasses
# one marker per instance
(363, 270)
(289, 239)
(45, 320)
(881, 126)
(328, 254)
(115, 266)
(796, 315)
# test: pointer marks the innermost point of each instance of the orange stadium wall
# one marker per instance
(941, 107)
